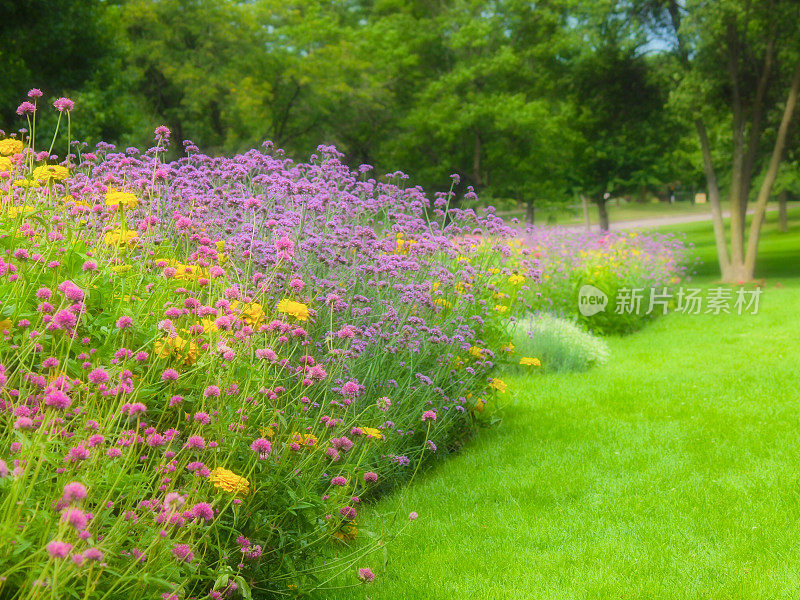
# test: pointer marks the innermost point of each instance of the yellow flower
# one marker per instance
(229, 481)
(25, 183)
(266, 432)
(121, 199)
(118, 236)
(530, 362)
(501, 309)
(403, 245)
(305, 439)
(499, 385)
(5, 164)
(296, 309)
(10, 146)
(373, 433)
(442, 302)
(16, 211)
(480, 405)
(220, 245)
(177, 347)
(120, 269)
(516, 279)
(476, 352)
(50, 173)
(252, 313)
(510, 347)
(6, 324)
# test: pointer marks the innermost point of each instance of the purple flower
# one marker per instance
(203, 510)
(26, 108)
(59, 549)
(183, 552)
(339, 480)
(262, 447)
(428, 415)
(370, 477)
(366, 575)
(63, 104)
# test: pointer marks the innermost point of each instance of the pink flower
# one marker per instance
(59, 549)
(351, 389)
(63, 104)
(203, 510)
(412, 516)
(74, 491)
(370, 476)
(124, 322)
(169, 375)
(339, 481)
(196, 442)
(183, 552)
(93, 554)
(348, 512)
(366, 575)
(35, 93)
(428, 414)
(75, 517)
(98, 376)
(26, 108)
(211, 391)
(261, 446)
(57, 399)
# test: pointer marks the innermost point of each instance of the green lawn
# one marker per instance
(671, 472)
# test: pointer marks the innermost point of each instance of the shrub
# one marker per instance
(206, 364)
(559, 344)
(610, 261)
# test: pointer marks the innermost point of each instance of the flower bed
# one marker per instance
(610, 261)
(207, 364)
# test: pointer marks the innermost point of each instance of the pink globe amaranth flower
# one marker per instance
(113, 453)
(57, 399)
(262, 447)
(351, 389)
(211, 391)
(216, 272)
(26, 108)
(203, 510)
(4, 471)
(124, 322)
(348, 512)
(35, 93)
(183, 552)
(339, 480)
(169, 375)
(98, 376)
(93, 554)
(412, 516)
(74, 490)
(370, 476)
(43, 293)
(63, 104)
(58, 549)
(75, 517)
(23, 423)
(428, 415)
(196, 442)
(162, 132)
(366, 575)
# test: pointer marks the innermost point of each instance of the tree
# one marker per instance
(621, 98)
(739, 63)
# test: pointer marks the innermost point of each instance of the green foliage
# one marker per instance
(559, 344)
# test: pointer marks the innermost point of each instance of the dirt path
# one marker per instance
(658, 221)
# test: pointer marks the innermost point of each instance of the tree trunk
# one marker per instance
(783, 218)
(585, 204)
(769, 178)
(714, 202)
(603, 212)
(529, 211)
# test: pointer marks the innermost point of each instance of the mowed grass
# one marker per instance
(671, 472)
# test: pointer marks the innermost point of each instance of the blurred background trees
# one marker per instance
(531, 102)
